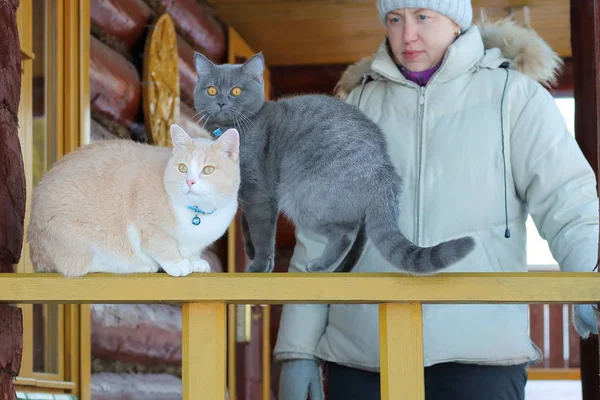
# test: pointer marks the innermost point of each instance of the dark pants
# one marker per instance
(448, 381)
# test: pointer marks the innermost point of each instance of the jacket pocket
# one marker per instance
(479, 260)
(507, 254)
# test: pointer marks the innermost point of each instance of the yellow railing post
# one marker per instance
(204, 351)
(401, 349)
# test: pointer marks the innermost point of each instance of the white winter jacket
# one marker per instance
(447, 142)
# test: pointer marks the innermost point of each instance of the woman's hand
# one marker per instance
(299, 378)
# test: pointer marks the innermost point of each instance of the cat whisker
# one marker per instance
(198, 113)
(238, 123)
(241, 112)
(202, 117)
(247, 120)
(243, 121)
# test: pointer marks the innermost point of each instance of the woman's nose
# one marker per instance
(410, 32)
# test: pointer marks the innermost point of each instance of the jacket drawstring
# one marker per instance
(507, 231)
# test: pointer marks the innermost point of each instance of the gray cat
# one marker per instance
(321, 162)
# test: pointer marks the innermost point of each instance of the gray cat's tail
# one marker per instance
(381, 220)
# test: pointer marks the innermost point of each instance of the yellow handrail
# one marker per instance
(242, 288)
(400, 298)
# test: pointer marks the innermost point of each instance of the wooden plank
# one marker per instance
(536, 328)
(84, 74)
(401, 349)
(574, 346)
(553, 374)
(85, 353)
(46, 384)
(266, 352)
(324, 32)
(556, 356)
(355, 288)
(204, 351)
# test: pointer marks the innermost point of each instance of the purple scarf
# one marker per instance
(420, 78)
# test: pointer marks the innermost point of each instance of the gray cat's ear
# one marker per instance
(255, 66)
(230, 143)
(203, 65)
(179, 137)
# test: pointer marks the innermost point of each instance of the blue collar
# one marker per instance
(196, 220)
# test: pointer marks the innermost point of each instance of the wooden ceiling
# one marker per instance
(301, 32)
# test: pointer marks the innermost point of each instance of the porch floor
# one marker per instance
(553, 390)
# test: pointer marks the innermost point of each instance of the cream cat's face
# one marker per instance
(202, 169)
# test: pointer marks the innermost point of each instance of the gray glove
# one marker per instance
(299, 378)
(585, 319)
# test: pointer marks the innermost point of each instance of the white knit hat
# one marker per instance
(459, 11)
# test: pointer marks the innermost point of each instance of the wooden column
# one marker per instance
(12, 192)
(204, 351)
(585, 43)
(401, 349)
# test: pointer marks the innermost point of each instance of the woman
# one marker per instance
(480, 144)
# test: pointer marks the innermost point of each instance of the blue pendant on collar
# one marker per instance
(196, 220)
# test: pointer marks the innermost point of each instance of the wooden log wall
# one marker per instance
(119, 29)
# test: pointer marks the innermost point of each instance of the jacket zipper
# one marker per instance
(420, 139)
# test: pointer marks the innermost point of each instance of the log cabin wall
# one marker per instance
(136, 349)
(119, 31)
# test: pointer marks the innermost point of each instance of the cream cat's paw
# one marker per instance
(200, 265)
(180, 268)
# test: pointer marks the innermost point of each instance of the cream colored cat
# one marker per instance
(125, 207)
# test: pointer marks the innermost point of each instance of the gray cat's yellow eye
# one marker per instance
(182, 168)
(212, 90)
(236, 91)
(209, 169)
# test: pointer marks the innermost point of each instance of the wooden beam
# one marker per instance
(292, 32)
(401, 349)
(553, 374)
(203, 351)
(585, 42)
(326, 288)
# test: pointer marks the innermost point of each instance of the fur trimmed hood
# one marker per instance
(527, 52)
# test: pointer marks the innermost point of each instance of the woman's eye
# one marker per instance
(212, 91)
(182, 168)
(423, 17)
(395, 20)
(209, 169)
(236, 91)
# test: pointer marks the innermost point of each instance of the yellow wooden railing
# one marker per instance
(205, 296)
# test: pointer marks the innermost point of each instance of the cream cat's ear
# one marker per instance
(230, 143)
(179, 137)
